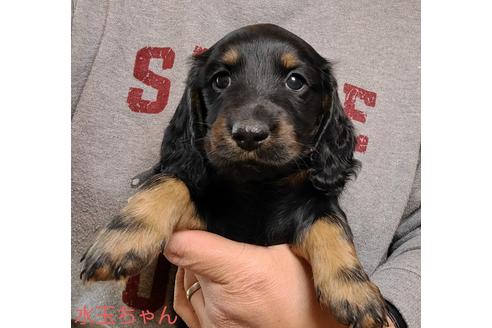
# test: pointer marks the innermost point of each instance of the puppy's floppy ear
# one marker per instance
(333, 160)
(181, 154)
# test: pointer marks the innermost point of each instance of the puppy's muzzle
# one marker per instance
(250, 134)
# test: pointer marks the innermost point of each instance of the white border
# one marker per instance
(35, 163)
(456, 171)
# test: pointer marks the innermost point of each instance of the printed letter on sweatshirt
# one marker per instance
(351, 94)
(143, 73)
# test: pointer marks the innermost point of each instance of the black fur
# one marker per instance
(334, 163)
(253, 201)
(119, 222)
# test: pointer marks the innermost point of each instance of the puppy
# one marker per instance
(258, 151)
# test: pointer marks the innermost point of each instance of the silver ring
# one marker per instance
(190, 291)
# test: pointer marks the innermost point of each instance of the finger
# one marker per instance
(181, 305)
(207, 254)
(197, 300)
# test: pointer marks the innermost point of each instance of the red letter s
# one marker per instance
(142, 72)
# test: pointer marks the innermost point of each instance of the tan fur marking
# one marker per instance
(217, 137)
(287, 135)
(164, 208)
(153, 214)
(102, 273)
(289, 60)
(120, 243)
(220, 137)
(324, 245)
(230, 57)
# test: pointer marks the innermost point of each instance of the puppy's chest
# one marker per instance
(262, 215)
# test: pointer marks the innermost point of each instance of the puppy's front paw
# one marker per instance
(358, 303)
(122, 249)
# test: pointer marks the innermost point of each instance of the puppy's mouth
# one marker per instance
(242, 149)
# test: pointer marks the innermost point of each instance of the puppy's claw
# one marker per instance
(83, 256)
(118, 272)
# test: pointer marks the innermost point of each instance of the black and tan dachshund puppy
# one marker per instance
(258, 151)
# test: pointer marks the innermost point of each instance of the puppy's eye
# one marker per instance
(222, 81)
(295, 82)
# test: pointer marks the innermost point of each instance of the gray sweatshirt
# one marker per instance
(129, 62)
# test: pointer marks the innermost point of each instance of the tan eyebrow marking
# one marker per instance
(289, 60)
(230, 57)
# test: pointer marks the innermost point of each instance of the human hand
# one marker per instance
(243, 285)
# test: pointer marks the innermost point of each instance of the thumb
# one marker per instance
(208, 254)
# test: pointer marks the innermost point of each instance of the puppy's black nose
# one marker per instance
(249, 135)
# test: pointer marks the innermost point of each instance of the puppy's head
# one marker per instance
(262, 102)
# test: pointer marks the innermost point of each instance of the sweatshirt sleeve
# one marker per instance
(88, 23)
(398, 277)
